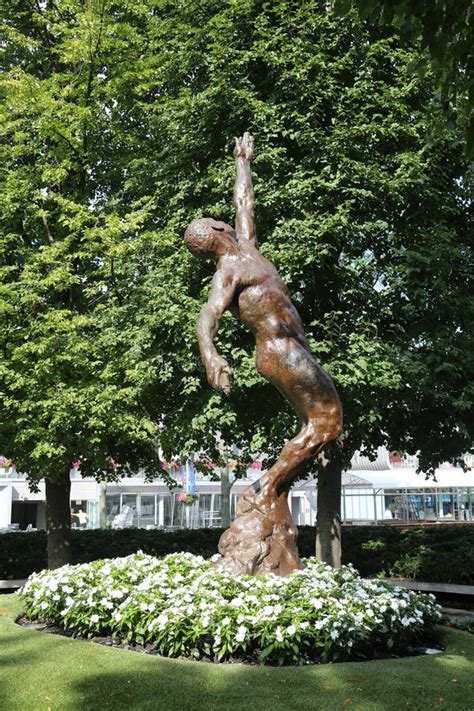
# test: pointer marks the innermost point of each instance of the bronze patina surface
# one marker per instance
(262, 537)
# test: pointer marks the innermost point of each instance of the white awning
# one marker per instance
(407, 478)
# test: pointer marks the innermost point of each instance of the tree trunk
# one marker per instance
(58, 521)
(102, 504)
(328, 520)
(225, 495)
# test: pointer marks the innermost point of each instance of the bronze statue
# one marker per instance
(262, 538)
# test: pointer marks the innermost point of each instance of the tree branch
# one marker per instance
(48, 231)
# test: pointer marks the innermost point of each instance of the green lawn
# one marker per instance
(46, 672)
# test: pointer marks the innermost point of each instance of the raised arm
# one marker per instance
(219, 372)
(244, 200)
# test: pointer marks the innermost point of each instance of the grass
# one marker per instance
(45, 672)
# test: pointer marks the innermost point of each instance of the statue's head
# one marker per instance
(208, 238)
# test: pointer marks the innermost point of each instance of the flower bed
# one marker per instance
(181, 606)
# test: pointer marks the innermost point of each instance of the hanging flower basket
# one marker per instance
(186, 499)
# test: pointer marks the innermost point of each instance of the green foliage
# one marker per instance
(69, 391)
(117, 120)
(445, 28)
(441, 554)
(466, 626)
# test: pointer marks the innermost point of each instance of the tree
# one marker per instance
(69, 391)
(361, 206)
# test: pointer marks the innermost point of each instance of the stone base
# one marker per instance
(262, 538)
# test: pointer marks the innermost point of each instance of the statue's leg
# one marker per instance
(297, 452)
(310, 391)
(262, 538)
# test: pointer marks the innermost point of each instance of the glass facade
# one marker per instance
(407, 505)
(163, 511)
(429, 505)
(358, 505)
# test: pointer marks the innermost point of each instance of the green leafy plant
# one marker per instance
(466, 626)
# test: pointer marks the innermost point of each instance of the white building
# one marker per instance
(386, 490)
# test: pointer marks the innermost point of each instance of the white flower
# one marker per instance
(241, 633)
(44, 605)
(334, 634)
(94, 618)
(291, 630)
(278, 634)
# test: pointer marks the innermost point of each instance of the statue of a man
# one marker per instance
(263, 537)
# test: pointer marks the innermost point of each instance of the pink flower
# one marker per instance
(185, 498)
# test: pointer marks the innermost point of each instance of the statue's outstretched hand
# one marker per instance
(219, 374)
(244, 147)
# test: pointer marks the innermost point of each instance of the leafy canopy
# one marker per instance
(445, 30)
(118, 120)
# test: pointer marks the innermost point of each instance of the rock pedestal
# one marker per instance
(262, 538)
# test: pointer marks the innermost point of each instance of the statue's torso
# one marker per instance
(263, 301)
